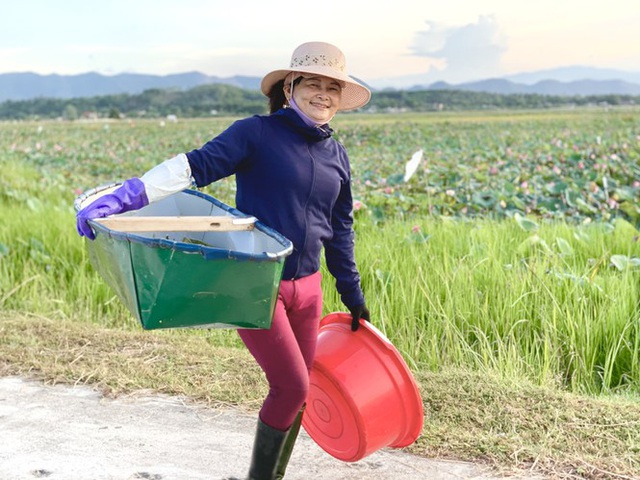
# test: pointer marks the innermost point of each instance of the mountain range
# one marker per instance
(577, 80)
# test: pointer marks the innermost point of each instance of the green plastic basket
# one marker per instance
(190, 279)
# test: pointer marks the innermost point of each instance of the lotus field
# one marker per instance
(509, 245)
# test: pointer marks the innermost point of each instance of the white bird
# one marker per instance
(412, 165)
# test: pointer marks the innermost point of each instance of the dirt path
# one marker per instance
(74, 433)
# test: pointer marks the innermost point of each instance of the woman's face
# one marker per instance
(318, 97)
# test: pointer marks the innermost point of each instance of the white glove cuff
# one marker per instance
(171, 176)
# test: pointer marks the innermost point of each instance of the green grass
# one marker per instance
(545, 305)
(523, 333)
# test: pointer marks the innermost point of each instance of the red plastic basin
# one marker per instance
(363, 396)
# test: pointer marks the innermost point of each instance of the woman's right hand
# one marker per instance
(131, 195)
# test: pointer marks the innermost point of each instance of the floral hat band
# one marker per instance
(319, 58)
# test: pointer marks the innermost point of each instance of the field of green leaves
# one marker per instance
(505, 269)
(568, 166)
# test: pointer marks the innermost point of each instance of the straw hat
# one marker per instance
(319, 58)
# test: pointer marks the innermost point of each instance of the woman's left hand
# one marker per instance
(361, 311)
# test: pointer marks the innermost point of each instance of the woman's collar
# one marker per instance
(318, 131)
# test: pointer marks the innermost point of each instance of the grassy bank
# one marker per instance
(515, 427)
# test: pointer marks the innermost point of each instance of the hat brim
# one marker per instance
(354, 94)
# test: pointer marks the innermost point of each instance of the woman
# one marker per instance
(294, 177)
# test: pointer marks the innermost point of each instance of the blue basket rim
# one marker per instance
(207, 251)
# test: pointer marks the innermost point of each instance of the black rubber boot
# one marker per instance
(267, 447)
(289, 442)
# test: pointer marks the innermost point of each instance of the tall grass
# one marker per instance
(485, 295)
(43, 265)
(545, 305)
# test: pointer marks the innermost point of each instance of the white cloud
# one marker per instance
(468, 52)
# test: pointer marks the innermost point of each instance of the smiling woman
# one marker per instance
(316, 99)
(294, 177)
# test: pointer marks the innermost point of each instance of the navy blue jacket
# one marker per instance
(296, 179)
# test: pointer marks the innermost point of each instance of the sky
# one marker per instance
(401, 41)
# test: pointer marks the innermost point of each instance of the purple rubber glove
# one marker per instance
(358, 312)
(129, 196)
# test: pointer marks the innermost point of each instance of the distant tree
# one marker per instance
(70, 112)
(221, 99)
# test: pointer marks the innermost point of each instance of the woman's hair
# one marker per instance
(277, 100)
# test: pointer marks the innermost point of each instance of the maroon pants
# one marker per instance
(285, 352)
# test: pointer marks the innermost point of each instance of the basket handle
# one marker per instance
(178, 223)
